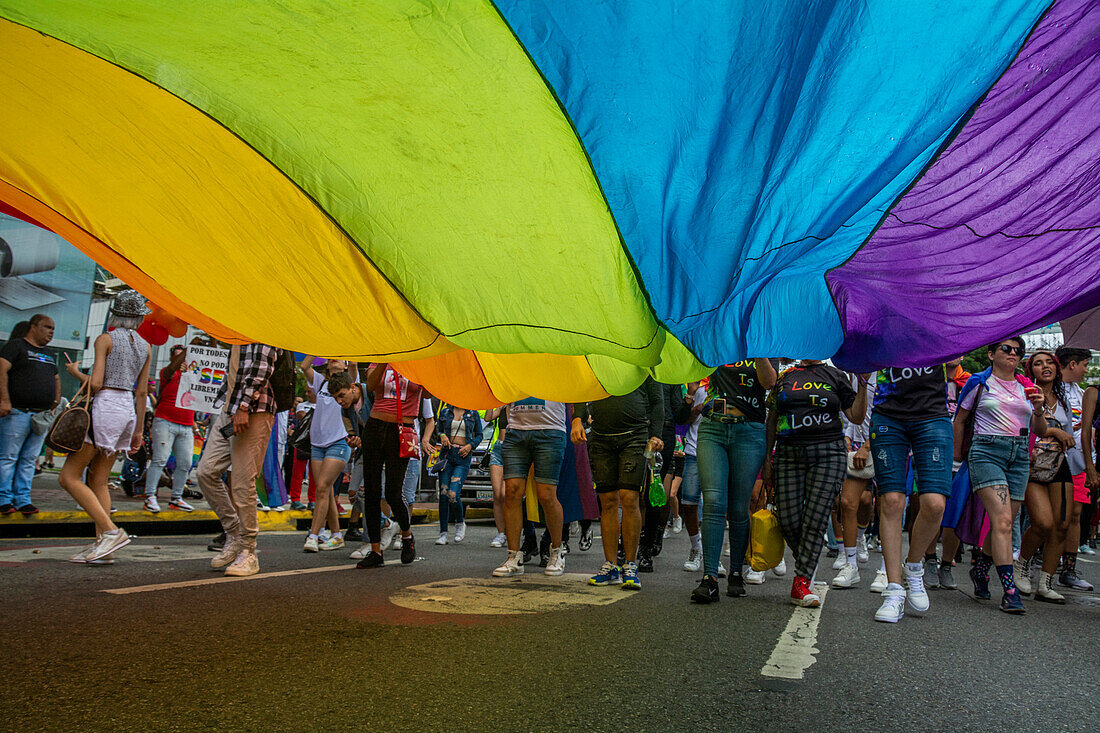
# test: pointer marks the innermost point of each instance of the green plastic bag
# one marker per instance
(657, 496)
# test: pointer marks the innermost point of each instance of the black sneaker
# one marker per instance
(1011, 603)
(217, 543)
(658, 544)
(645, 563)
(297, 506)
(707, 592)
(544, 550)
(6, 509)
(28, 509)
(736, 585)
(832, 552)
(408, 550)
(374, 560)
(585, 543)
(354, 533)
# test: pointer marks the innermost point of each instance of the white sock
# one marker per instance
(860, 532)
(696, 541)
(850, 554)
(338, 534)
(311, 536)
(914, 567)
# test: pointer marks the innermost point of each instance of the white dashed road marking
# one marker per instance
(795, 650)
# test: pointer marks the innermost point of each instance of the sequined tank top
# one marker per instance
(127, 357)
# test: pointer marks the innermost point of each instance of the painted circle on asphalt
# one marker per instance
(504, 596)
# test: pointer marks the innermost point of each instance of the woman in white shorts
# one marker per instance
(118, 387)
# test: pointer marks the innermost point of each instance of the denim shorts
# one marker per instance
(340, 449)
(545, 449)
(1000, 460)
(932, 446)
(691, 492)
(496, 455)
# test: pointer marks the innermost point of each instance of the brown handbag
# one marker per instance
(73, 425)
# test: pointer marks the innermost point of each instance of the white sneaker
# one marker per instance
(848, 577)
(893, 604)
(722, 570)
(460, 532)
(754, 577)
(180, 505)
(556, 566)
(323, 535)
(915, 592)
(108, 543)
(81, 558)
(230, 550)
(311, 544)
(151, 505)
(512, 566)
(878, 585)
(362, 552)
(442, 539)
(397, 541)
(781, 569)
(499, 541)
(840, 561)
(678, 525)
(694, 561)
(245, 564)
(668, 531)
(862, 556)
(1021, 571)
(332, 543)
(390, 531)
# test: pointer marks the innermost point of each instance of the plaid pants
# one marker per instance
(807, 481)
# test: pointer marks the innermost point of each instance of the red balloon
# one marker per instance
(158, 335)
(145, 330)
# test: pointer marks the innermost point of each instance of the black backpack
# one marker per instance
(284, 380)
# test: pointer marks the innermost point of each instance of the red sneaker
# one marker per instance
(802, 593)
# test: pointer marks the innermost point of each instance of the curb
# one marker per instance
(77, 523)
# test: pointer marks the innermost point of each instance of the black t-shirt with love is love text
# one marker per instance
(911, 394)
(809, 400)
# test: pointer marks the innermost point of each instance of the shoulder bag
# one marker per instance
(73, 425)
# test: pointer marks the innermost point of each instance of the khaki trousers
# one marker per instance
(236, 505)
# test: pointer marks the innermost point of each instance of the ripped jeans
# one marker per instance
(931, 443)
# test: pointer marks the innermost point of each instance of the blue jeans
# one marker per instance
(933, 448)
(452, 478)
(168, 438)
(19, 449)
(730, 456)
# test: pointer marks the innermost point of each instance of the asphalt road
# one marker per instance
(417, 648)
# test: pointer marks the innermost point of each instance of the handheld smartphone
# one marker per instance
(718, 404)
(227, 430)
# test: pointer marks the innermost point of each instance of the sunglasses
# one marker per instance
(1018, 351)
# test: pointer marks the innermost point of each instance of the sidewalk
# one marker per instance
(59, 515)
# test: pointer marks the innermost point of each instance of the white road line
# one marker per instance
(230, 579)
(795, 650)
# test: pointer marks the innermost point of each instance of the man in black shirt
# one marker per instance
(29, 384)
(624, 429)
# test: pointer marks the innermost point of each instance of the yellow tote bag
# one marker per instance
(765, 541)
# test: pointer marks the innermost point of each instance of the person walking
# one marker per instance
(239, 437)
(29, 384)
(117, 384)
(173, 433)
(811, 459)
